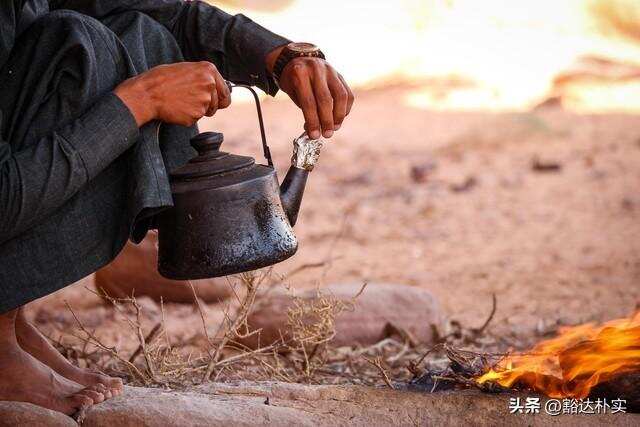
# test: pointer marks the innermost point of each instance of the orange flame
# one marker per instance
(575, 361)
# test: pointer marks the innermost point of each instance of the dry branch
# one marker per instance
(232, 331)
(93, 340)
(377, 362)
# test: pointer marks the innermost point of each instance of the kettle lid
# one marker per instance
(210, 160)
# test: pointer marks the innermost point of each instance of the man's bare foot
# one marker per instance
(32, 341)
(23, 378)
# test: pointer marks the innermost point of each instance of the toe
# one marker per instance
(99, 387)
(106, 392)
(115, 385)
(94, 395)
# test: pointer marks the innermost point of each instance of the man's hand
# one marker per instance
(179, 93)
(318, 89)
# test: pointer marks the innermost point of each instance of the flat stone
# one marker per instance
(409, 308)
(276, 404)
(14, 414)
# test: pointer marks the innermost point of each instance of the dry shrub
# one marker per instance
(311, 327)
(304, 353)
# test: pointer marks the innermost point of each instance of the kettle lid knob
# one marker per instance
(207, 142)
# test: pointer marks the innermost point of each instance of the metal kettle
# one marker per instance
(229, 214)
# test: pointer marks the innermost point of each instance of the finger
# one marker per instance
(350, 97)
(210, 99)
(213, 104)
(307, 100)
(340, 99)
(222, 90)
(324, 101)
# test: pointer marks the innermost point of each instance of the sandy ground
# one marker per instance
(450, 202)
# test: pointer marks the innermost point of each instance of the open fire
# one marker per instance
(573, 363)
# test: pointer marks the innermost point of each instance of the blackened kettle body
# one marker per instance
(230, 215)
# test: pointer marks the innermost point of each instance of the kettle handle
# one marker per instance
(263, 135)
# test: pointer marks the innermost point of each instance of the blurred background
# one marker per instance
(468, 55)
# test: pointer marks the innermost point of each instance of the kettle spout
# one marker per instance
(306, 152)
(291, 192)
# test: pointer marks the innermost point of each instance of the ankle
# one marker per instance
(8, 327)
(8, 343)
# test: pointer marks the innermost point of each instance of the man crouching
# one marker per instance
(99, 99)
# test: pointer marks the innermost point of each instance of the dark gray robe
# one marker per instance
(77, 177)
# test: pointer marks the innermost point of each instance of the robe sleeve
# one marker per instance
(235, 44)
(34, 182)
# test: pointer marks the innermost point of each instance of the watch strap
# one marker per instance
(287, 55)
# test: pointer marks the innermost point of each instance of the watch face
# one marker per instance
(303, 47)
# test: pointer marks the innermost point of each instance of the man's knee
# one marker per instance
(148, 42)
(81, 37)
(63, 22)
(85, 52)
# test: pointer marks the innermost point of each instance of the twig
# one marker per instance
(390, 330)
(149, 338)
(494, 307)
(164, 325)
(239, 357)
(196, 300)
(141, 338)
(377, 362)
(361, 291)
(252, 283)
(96, 342)
(304, 267)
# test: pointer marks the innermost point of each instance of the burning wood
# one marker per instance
(575, 362)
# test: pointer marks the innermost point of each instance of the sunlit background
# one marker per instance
(501, 55)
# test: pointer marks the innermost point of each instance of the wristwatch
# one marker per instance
(292, 51)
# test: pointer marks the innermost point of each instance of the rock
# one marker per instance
(135, 271)
(540, 165)
(381, 310)
(420, 173)
(14, 414)
(278, 404)
(468, 184)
